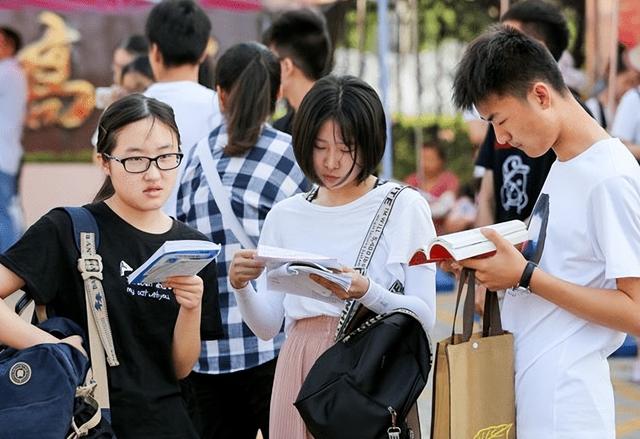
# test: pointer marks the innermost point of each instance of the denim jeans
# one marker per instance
(10, 229)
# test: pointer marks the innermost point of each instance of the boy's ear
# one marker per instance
(155, 54)
(286, 66)
(541, 93)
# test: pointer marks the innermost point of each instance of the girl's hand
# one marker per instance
(244, 268)
(359, 284)
(187, 289)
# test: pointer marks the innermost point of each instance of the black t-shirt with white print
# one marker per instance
(144, 391)
(517, 178)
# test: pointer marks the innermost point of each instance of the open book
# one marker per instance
(288, 272)
(175, 258)
(469, 243)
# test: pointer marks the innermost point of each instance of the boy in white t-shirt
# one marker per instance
(178, 33)
(569, 312)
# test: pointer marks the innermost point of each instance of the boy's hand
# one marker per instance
(502, 270)
(244, 268)
(187, 289)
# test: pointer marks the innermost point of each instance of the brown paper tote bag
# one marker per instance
(473, 382)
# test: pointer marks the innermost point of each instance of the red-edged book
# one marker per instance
(469, 243)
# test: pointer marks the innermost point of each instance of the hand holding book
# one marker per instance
(494, 252)
(470, 243)
(503, 269)
(357, 289)
(175, 258)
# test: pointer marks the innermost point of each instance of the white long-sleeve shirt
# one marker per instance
(339, 231)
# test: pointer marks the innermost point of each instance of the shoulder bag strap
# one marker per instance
(220, 195)
(366, 252)
(85, 231)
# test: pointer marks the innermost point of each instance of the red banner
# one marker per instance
(119, 5)
(629, 27)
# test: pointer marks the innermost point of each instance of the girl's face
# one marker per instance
(135, 82)
(333, 159)
(148, 190)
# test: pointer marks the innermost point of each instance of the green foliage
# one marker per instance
(461, 20)
(450, 131)
(438, 20)
(81, 156)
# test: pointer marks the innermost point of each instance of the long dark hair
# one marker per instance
(250, 76)
(121, 113)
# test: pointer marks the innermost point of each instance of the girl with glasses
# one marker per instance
(156, 328)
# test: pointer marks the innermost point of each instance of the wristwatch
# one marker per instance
(525, 279)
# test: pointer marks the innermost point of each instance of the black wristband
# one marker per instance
(525, 279)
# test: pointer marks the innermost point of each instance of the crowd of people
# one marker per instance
(225, 357)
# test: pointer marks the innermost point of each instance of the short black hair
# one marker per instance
(135, 44)
(180, 29)
(356, 108)
(503, 61)
(302, 36)
(543, 21)
(14, 37)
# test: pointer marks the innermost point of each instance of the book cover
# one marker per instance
(469, 243)
(175, 258)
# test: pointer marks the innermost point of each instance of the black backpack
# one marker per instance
(365, 385)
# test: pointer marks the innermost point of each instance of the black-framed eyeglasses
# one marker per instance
(138, 165)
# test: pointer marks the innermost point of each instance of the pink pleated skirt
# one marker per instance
(306, 341)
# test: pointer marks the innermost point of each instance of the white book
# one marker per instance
(288, 272)
(175, 258)
(469, 243)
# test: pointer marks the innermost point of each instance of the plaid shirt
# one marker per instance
(267, 174)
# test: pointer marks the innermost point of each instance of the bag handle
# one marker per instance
(491, 322)
(220, 195)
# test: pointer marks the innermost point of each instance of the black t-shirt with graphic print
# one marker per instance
(144, 391)
(517, 178)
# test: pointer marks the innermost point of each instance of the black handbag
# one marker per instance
(365, 385)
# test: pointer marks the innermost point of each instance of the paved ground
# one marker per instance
(45, 186)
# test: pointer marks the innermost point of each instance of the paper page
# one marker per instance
(273, 256)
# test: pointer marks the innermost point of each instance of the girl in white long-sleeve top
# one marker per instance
(338, 139)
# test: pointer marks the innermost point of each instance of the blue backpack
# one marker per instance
(44, 389)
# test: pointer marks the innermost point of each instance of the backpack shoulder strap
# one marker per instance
(86, 236)
(83, 221)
